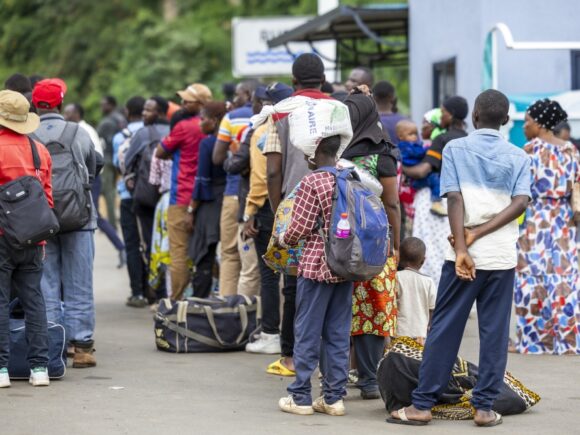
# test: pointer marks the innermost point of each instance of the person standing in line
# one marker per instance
(487, 183)
(374, 302)
(547, 291)
(68, 265)
(431, 228)
(361, 75)
(74, 112)
(386, 98)
(135, 265)
(285, 167)
(182, 145)
(259, 224)
(111, 124)
(21, 269)
(239, 271)
(323, 300)
(206, 202)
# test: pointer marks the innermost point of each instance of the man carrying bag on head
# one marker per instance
(25, 180)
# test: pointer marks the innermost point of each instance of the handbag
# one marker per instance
(25, 216)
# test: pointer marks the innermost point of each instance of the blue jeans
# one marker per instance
(322, 310)
(22, 270)
(67, 285)
(493, 291)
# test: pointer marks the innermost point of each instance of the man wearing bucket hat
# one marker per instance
(67, 279)
(182, 145)
(22, 268)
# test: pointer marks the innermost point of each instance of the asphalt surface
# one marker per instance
(136, 389)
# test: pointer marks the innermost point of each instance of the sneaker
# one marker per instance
(438, 208)
(287, 404)
(4, 378)
(370, 395)
(266, 344)
(39, 377)
(136, 302)
(336, 409)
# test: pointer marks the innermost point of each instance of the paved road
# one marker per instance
(229, 393)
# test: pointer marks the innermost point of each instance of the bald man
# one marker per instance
(359, 76)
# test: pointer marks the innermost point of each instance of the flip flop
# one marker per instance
(403, 419)
(497, 420)
(279, 369)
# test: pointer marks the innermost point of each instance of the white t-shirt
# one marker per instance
(93, 135)
(417, 295)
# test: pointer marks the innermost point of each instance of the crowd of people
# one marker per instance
(197, 186)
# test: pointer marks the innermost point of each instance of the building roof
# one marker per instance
(385, 25)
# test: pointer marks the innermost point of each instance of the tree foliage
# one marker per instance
(127, 47)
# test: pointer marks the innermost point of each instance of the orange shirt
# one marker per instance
(16, 160)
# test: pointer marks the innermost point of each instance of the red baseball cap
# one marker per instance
(48, 93)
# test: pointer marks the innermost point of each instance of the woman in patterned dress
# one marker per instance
(547, 280)
(374, 305)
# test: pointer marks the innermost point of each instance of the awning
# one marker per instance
(385, 26)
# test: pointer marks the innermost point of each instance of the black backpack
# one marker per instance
(25, 216)
(144, 193)
(70, 181)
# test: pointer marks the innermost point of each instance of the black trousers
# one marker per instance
(289, 312)
(135, 263)
(270, 282)
(203, 277)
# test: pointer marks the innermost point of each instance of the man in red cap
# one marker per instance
(68, 267)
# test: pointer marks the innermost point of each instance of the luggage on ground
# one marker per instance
(18, 367)
(25, 216)
(206, 325)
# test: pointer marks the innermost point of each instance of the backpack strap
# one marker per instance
(69, 133)
(35, 156)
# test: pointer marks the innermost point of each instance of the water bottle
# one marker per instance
(343, 227)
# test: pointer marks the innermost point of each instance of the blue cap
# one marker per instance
(277, 92)
(260, 93)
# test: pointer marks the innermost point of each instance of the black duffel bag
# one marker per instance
(215, 324)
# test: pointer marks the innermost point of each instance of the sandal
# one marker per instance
(403, 419)
(497, 420)
(279, 369)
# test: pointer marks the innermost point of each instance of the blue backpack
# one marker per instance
(364, 253)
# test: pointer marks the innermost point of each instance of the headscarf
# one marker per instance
(433, 117)
(547, 113)
(368, 134)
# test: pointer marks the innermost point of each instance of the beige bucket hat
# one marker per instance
(14, 114)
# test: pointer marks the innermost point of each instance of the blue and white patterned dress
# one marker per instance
(547, 280)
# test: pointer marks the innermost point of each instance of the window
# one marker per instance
(575, 62)
(444, 81)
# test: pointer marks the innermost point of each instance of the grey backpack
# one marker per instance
(71, 190)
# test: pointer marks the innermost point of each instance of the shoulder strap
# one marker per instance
(35, 156)
(68, 134)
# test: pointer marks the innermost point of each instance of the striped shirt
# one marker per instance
(230, 132)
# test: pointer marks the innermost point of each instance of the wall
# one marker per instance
(446, 28)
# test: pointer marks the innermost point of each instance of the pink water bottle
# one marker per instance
(343, 227)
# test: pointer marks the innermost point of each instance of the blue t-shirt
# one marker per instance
(488, 171)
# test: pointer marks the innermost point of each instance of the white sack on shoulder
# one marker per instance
(285, 106)
(317, 119)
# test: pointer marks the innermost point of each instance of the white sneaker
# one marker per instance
(39, 377)
(287, 404)
(336, 409)
(266, 343)
(4, 378)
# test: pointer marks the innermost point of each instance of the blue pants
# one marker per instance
(322, 310)
(20, 270)
(493, 291)
(67, 285)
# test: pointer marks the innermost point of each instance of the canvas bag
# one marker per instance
(215, 324)
(364, 253)
(26, 219)
(18, 367)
